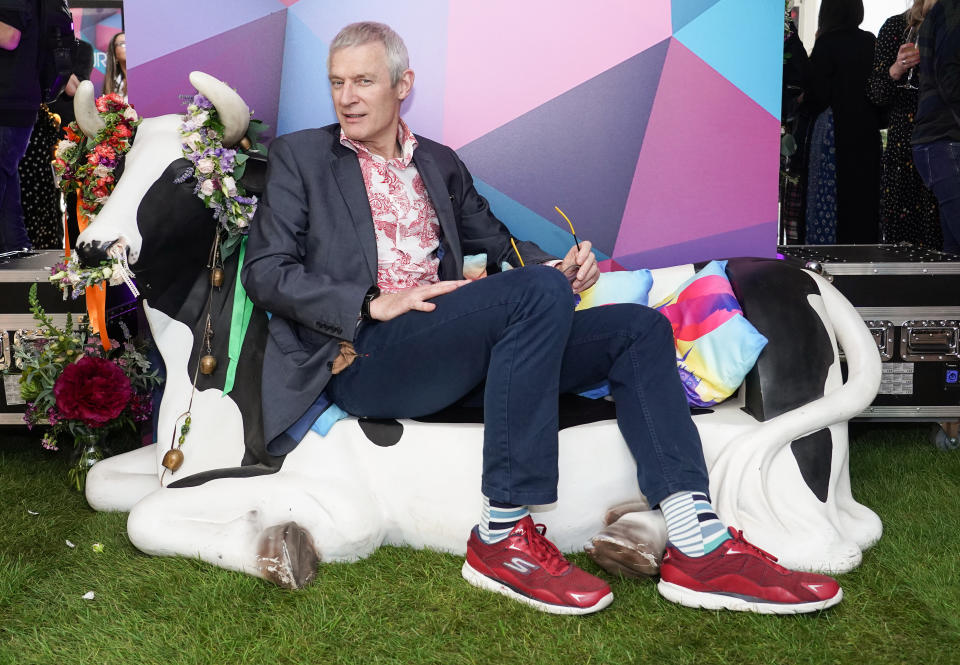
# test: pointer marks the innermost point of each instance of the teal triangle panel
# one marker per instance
(684, 11)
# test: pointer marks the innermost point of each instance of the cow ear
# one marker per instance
(254, 178)
(85, 109)
(233, 111)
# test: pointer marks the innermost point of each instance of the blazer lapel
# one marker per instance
(346, 169)
(451, 263)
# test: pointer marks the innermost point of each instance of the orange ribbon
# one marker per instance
(96, 295)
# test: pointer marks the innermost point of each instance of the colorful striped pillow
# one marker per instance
(716, 345)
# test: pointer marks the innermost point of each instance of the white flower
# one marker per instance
(229, 186)
(241, 222)
(192, 140)
(63, 146)
(207, 188)
(101, 171)
(130, 114)
(205, 165)
(201, 117)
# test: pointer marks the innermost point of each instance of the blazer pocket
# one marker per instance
(285, 339)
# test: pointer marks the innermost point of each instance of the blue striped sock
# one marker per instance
(497, 520)
(692, 525)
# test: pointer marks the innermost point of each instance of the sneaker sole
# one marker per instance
(714, 601)
(478, 579)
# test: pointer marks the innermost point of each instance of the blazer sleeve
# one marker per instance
(482, 232)
(274, 272)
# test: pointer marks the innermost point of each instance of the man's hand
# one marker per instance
(391, 305)
(588, 273)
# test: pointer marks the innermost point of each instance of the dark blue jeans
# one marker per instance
(938, 163)
(13, 145)
(517, 332)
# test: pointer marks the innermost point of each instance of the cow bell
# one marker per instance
(216, 277)
(208, 364)
(173, 459)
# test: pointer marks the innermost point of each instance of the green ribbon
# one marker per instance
(239, 321)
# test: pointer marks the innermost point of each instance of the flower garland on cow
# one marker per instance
(217, 171)
(87, 164)
(69, 381)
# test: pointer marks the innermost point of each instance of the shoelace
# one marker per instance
(739, 539)
(547, 552)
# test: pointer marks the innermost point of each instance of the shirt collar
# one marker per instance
(405, 137)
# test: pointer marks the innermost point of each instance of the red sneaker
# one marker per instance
(740, 576)
(529, 568)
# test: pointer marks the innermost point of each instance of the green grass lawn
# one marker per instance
(902, 605)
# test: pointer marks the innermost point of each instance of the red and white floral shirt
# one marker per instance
(404, 220)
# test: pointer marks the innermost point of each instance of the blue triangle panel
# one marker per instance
(304, 93)
(525, 224)
(578, 151)
(743, 40)
(684, 11)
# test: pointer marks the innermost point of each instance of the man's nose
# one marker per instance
(348, 93)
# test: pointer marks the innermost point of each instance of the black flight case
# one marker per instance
(18, 270)
(909, 297)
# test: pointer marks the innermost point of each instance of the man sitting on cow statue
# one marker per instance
(357, 250)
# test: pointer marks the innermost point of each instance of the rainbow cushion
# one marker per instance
(716, 345)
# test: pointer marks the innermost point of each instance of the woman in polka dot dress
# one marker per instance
(39, 195)
(908, 210)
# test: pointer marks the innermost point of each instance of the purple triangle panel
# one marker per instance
(758, 240)
(157, 28)
(578, 151)
(155, 87)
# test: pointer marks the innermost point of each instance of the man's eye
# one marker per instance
(365, 81)
(336, 84)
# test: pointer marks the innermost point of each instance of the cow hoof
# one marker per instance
(286, 556)
(632, 546)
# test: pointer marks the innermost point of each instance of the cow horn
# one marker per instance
(233, 111)
(85, 108)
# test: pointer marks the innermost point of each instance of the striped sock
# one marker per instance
(692, 525)
(498, 519)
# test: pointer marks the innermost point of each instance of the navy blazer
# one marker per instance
(312, 255)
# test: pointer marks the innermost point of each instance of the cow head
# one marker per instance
(161, 225)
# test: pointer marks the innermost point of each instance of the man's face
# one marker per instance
(367, 106)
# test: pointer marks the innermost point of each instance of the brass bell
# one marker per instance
(173, 459)
(216, 277)
(208, 364)
(245, 143)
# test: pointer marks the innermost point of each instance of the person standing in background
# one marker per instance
(908, 210)
(19, 101)
(936, 134)
(115, 76)
(840, 63)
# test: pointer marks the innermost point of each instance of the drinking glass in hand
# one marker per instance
(910, 39)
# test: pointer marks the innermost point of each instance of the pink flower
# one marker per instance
(205, 165)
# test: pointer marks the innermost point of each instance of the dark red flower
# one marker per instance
(93, 390)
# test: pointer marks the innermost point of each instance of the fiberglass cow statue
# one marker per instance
(777, 451)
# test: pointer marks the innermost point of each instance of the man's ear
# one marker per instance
(405, 84)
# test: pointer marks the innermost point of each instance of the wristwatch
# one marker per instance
(372, 292)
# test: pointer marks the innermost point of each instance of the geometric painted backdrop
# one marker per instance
(653, 124)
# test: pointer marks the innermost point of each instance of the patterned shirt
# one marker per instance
(404, 219)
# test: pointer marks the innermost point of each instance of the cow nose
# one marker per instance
(91, 253)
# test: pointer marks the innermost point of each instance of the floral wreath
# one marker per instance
(87, 164)
(218, 170)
